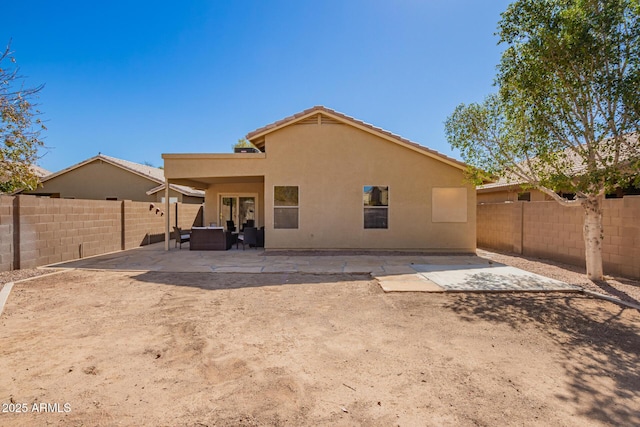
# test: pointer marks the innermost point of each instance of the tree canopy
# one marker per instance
(566, 116)
(20, 128)
(567, 113)
(243, 143)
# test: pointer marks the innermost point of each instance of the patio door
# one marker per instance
(237, 208)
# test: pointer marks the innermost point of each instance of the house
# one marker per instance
(325, 180)
(505, 191)
(512, 188)
(107, 178)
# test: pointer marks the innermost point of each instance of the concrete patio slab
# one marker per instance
(395, 272)
(238, 269)
(407, 283)
(397, 269)
(489, 278)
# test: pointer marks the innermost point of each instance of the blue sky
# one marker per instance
(137, 79)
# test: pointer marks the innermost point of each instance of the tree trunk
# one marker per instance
(593, 235)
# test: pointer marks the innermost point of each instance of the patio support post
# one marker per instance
(167, 212)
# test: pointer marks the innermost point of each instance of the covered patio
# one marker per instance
(233, 185)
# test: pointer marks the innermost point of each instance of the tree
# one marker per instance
(20, 128)
(243, 143)
(567, 113)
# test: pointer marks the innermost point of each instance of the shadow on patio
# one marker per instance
(226, 281)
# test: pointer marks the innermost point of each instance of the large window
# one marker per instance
(285, 207)
(376, 206)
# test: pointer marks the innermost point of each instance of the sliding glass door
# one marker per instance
(239, 209)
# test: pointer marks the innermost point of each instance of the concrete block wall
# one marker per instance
(189, 215)
(549, 230)
(621, 246)
(143, 226)
(6, 233)
(496, 226)
(38, 231)
(553, 231)
(55, 230)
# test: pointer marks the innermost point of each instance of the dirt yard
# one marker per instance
(197, 349)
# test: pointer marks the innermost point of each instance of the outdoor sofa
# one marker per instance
(210, 239)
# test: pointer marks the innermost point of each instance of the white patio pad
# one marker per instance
(489, 278)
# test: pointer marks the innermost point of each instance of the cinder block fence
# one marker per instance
(549, 230)
(37, 231)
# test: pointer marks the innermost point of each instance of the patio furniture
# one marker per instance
(231, 226)
(249, 223)
(260, 240)
(250, 237)
(181, 236)
(210, 239)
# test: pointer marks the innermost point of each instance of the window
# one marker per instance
(285, 207)
(376, 206)
(524, 197)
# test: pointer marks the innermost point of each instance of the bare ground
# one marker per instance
(199, 349)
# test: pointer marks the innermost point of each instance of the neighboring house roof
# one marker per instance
(153, 174)
(40, 172)
(501, 184)
(257, 136)
(187, 191)
(576, 166)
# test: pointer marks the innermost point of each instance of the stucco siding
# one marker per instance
(500, 195)
(332, 163)
(98, 180)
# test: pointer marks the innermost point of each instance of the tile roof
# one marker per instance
(348, 119)
(150, 172)
(576, 164)
(40, 172)
(187, 191)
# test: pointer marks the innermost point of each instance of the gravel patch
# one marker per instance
(15, 275)
(622, 288)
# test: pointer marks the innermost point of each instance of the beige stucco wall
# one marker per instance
(179, 196)
(186, 199)
(331, 163)
(98, 180)
(509, 196)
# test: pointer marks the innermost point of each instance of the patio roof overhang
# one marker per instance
(201, 170)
